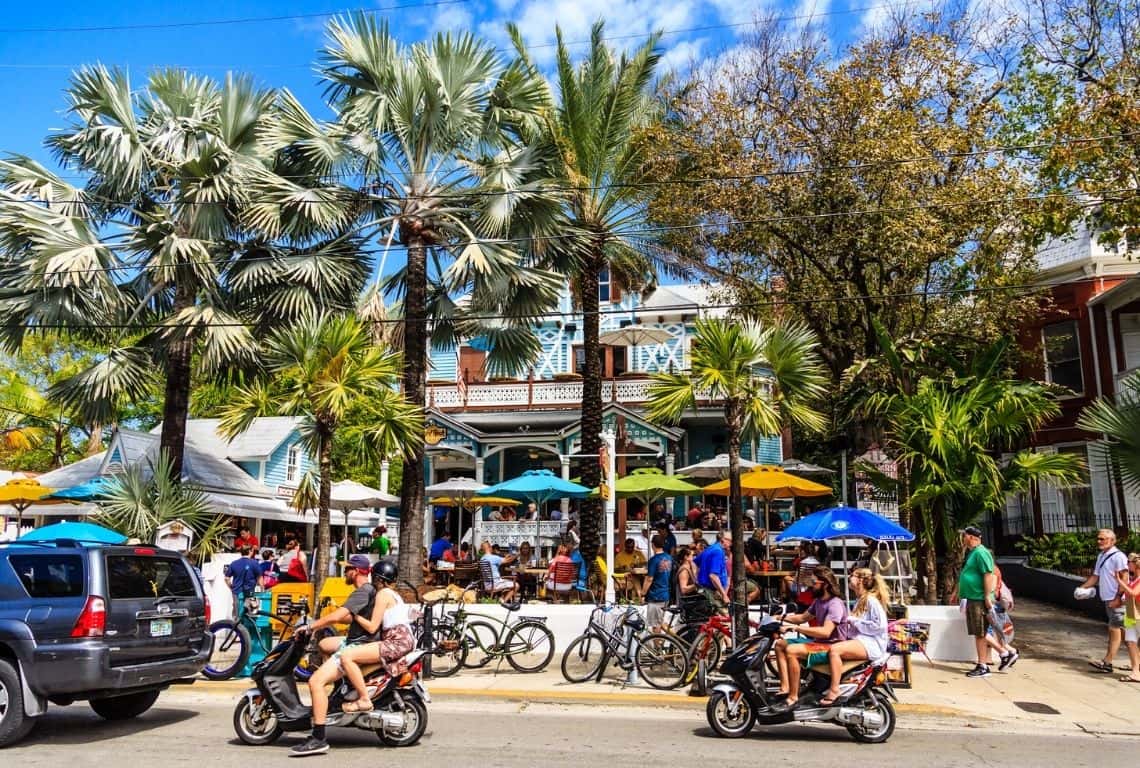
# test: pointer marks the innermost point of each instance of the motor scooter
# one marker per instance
(399, 704)
(746, 700)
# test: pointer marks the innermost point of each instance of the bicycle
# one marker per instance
(615, 633)
(705, 641)
(458, 634)
(233, 640)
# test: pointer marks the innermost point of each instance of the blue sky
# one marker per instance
(40, 46)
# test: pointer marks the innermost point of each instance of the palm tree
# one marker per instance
(766, 377)
(948, 434)
(320, 369)
(1119, 422)
(173, 247)
(432, 131)
(592, 141)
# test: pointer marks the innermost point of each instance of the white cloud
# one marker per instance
(681, 57)
(451, 18)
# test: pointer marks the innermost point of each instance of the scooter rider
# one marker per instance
(828, 624)
(357, 571)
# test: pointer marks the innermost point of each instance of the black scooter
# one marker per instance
(735, 707)
(399, 705)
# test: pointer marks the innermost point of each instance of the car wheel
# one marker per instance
(14, 724)
(124, 707)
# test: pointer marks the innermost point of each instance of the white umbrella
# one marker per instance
(713, 469)
(459, 490)
(797, 467)
(347, 495)
(634, 336)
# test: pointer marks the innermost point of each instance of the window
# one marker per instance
(292, 463)
(1063, 355)
(604, 285)
(139, 576)
(1077, 499)
(50, 575)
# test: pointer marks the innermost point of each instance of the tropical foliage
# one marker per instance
(593, 140)
(173, 250)
(767, 377)
(957, 440)
(320, 370)
(1119, 421)
(143, 498)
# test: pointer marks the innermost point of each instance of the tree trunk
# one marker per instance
(739, 593)
(324, 534)
(415, 373)
(176, 401)
(590, 519)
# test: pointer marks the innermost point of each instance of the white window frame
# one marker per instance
(1079, 358)
(293, 463)
(605, 278)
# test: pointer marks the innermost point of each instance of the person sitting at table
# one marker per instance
(531, 512)
(526, 556)
(496, 514)
(625, 561)
(508, 514)
(498, 584)
(562, 556)
(465, 553)
(439, 546)
(426, 568)
(570, 536)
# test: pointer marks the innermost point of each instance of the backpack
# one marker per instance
(1002, 592)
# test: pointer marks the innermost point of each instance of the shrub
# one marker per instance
(1071, 552)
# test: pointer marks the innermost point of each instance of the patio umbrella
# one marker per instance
(456, 492)
(769, 483)
(715, 468)
(539, 486)
(649, 485)
(23, 492)
(87, 533)
(797, 467)
(95, 488)
(477, 501)
(633, 336)
(347, 495)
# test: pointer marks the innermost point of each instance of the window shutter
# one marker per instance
(1052, 516)
(1101, 488)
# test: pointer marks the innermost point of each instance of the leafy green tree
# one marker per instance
(1119, 421)
(144, 497)
(767, 377)
(593, 141)
(173, 250)
(320, 370)
(949, 434)
(432, 131)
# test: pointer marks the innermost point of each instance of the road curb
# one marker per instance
(588, 698)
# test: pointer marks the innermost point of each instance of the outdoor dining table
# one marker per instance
(767, 577)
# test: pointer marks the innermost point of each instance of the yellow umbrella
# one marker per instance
(476, 501)
(23, 492)
(769, 483)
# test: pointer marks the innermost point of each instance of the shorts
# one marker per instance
(1115, 615)
(976, 622)
(654, 614)
(816, 651)
(1132, 634)
(503, 584)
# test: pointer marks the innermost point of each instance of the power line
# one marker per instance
(650, 230)
(347, 194)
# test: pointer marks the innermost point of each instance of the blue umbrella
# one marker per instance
(95, 488)
(539, 486)
(840, 522)
(88, 533)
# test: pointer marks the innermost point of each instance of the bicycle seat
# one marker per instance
(513, 605)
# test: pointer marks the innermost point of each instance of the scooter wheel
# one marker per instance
(256, 726)
(727, 723)
(875, 704)
(415, 723)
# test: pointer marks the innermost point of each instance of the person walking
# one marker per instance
(1110, 565)
(245, 577)
(381, 544)
(655, 589)
(1130, 594)
(976, 585)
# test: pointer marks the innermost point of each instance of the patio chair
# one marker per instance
(487, 581)
(562, 585)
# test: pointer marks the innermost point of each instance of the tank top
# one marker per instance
(397, 614)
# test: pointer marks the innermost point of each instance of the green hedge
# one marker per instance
(1070, 552)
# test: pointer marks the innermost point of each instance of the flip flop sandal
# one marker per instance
(1101, 666)
(1129, 679)
(825, 702)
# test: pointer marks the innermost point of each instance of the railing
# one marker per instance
(533, 394)
(1124, 393)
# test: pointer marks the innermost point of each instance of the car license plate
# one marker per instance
(161, 627)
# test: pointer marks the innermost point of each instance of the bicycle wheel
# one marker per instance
(481, 639)
(230, 651)
(529, 646)
(662, 660)
(448, 650)
(584, 658)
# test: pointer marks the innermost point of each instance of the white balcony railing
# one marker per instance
(533, 394)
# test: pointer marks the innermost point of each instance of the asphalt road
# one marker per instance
(187, 728)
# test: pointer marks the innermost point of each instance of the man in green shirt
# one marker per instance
(976, 585)
(380, 543)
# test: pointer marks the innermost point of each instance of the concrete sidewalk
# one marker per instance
(1052, 672)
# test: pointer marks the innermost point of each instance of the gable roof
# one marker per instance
(257, 443)
(683, 298)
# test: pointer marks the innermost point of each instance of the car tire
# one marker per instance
(124, 707)
(14, 724)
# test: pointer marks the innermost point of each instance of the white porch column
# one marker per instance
(385, 466)
(477, 512)
(609, 442)
(565, 476)
(670, 465)
(429, 519)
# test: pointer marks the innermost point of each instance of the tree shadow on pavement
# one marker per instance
(1045, 631)
(77, 724)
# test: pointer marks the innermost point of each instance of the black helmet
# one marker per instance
(386, 571)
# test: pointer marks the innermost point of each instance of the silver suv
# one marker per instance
(113, 625)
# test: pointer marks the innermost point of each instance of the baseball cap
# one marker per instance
(972, 530)
(359, 562)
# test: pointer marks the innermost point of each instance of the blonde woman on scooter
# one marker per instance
(869, 624)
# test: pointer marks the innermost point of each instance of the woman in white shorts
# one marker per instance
(1130, 595)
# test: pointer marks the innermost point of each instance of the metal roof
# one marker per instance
(255, 444)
